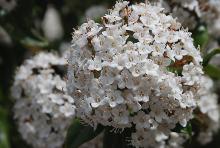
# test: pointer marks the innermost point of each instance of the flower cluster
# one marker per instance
(192, 12)
(208, 113)
(42, 108)
(140, 69)
(95, 12)
(8, 5)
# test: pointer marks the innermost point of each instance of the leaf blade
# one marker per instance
(4, 137)
(212, 71)
(210, 55)
(201, 36)
(79, 134)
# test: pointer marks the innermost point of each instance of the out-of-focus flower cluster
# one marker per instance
(8, 5)
(95, 12)
(43, 109)
(192, 12)
(139, 68)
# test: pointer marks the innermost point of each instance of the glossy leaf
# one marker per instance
(79, 134)
(4, 140)
(209, 56)
(30, 42)
(212, 71)
(201, 36)
(187, 130)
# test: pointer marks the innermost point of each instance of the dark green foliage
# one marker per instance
(114, 140)
(209, 56)
(201, 37)
(212, 71)
(79, 134)
(4, 139)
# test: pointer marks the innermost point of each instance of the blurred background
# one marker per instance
(30, 26)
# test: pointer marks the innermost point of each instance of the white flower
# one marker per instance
(43, 109)
(176, 140)
(142, 121)
(95, 12)
(51, 25)
(8, 5)
(140, 69)
(191, 12)
(191, 74)
(67, 109)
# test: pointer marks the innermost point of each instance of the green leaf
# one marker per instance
(187, 130)
(209, 56)
(212, 71)
(201, 36)
(30, 42)
(4, 139)
(1, 94)
(176, 70)
(79, 134)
